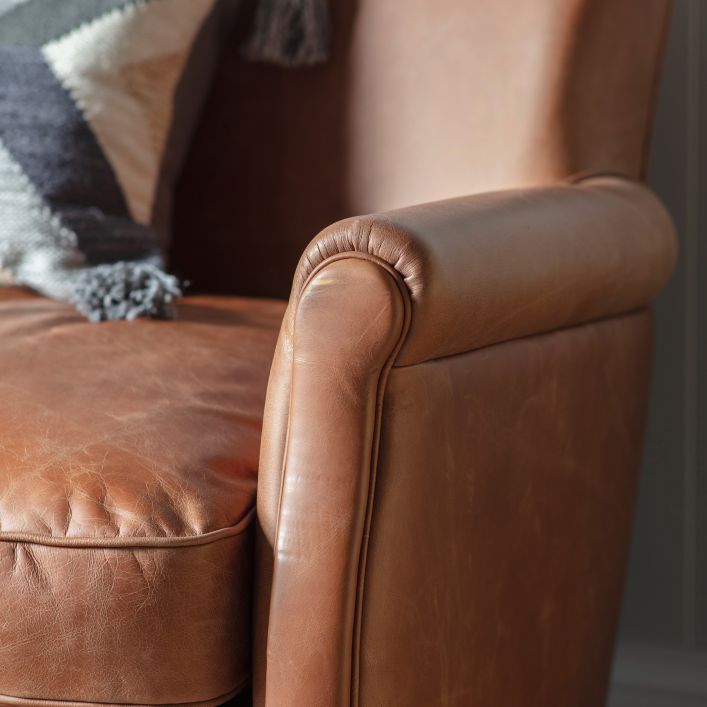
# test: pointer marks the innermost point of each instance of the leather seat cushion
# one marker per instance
(128, 462)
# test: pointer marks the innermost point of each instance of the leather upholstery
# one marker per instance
(337, 384)
(422, 101)
(484, 269)
(128, 465)
(496, 554)
(606, 244)
(16, 292)
(392, 293)
(454, 413)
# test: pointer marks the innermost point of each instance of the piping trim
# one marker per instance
(130, 542)
(40, 702)
(405, 294)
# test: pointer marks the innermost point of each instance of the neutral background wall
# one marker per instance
(662, 655)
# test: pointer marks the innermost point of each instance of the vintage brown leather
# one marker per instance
(494, 570)
(375, 301)
(128, 462)
(455, 406)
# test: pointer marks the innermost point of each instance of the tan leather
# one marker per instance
(16, 292)
(485, 269)
(337, 383)
(501, 522)
(455, 407)
(422, 101)
(128, 463)
(452, 278)
(579, 252)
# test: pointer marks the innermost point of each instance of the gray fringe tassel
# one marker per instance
(125, 291)
(290, 33)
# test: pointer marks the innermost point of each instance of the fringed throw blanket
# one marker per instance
(87, 102)
(290, 32)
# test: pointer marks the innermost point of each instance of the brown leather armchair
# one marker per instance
(453, 424)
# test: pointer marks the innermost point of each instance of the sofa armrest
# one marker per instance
(492, 267)
(401, 291)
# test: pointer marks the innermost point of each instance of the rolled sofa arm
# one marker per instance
(492, 267)
(396, 290)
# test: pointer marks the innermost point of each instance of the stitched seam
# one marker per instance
(380, 389)
(585, 175)
(373, 475)
(544, 332)
(218, 699)
(328, 260)
(129, 542)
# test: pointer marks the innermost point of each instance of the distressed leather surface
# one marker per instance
(337, 383)
(128, 462)
(421, 101)
(483, 309)
(495, 266)
(485, 269)
(522, 510)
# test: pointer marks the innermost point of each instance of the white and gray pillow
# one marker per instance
(97, 102)
(87, 96)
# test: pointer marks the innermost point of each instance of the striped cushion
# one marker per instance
(88, 141)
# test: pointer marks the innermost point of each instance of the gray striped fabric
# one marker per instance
(87, 97)
(86, 101)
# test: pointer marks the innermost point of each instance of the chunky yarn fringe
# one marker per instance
(291, 32)
(125, 291)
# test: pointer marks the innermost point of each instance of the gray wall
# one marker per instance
(664, 622)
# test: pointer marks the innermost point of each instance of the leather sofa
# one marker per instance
(446, 459)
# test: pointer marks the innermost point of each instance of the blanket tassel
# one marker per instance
(290, 33)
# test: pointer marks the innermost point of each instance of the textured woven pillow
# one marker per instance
(97, 100)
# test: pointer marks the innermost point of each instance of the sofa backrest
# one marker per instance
(421, 101)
